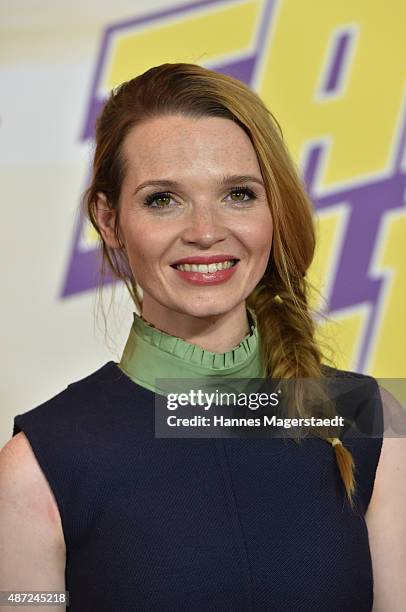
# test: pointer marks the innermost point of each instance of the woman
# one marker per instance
(190, 171)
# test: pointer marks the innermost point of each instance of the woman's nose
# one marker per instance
(204, 228)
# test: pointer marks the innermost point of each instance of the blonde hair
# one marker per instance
(280, 300)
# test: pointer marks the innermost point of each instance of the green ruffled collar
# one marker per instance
(150, 353)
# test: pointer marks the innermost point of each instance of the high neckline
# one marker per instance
(151, 353)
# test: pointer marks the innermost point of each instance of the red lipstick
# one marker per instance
(206, 278)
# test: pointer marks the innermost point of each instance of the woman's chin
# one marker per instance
(202, 304)
(216, 308)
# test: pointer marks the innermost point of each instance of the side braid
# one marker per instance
(290, 351)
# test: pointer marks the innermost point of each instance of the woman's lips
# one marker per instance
(205, 259)
(207, 278)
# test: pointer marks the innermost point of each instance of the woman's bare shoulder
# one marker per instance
(25, 489)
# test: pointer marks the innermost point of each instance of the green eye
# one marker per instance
(241, 194)
(238, 196)
(158, 200)
(162, 200)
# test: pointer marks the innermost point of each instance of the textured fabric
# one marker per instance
(198, 524)
(150, 354)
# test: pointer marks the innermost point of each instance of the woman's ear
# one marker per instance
(106, 216)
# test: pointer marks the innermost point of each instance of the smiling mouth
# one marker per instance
(206, 268)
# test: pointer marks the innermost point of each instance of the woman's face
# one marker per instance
(193, 189)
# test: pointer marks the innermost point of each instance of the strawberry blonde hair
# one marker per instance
(280, 300)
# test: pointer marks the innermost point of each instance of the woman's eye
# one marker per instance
(241, 194)
(158, 200)
(162, 200)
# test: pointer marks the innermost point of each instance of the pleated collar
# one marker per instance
(150, 354)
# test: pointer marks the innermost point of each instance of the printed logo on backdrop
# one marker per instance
(332, 80)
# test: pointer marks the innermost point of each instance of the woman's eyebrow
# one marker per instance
(156, 183)
(225, 181)
(236, 179)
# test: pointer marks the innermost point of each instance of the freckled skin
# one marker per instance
(202, 220)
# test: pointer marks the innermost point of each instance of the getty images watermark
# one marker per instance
(351, 405)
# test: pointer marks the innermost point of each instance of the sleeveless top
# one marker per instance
(214, 524)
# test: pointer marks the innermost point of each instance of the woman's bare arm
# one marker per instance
(386, 519)
(32, 546)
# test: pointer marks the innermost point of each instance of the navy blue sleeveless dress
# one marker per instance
(198, 524)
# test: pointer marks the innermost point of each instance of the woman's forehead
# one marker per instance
(177, 144)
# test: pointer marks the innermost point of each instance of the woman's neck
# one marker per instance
(217, 333)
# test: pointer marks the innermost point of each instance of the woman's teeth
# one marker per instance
(213, 267)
